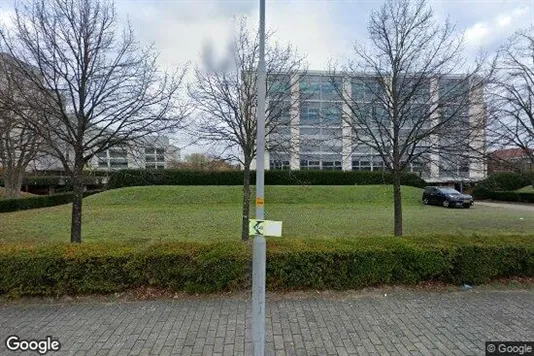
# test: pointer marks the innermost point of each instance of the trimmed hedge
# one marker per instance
(507, 181)
(42, 201)
(500, 186)
(91, 268)
(291, 264)
(46, 181)
(128, 178)
(519, 197)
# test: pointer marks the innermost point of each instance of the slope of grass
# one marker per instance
(220, 195)
(158, 213)
(527, 189)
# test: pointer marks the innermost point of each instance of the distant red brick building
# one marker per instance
(511, 160)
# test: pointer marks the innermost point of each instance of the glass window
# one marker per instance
(117, 154)
(310, 164)
(278, 85)
(331, 165)
(331, 90)
(160, 151)
(118, 164)
(331, 114)
(366, 90)
(307, 131)
(279, 164)
(309, 113)
(279, 112)
(282, 130)
(310, 88)
(453, 89)
(310, 146)
(331, 133)
(368, 163)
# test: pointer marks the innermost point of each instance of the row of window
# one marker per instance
(117, 158)
(367, 89)
(371, 164)
(357, 165)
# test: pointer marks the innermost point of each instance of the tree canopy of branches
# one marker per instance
(202, 162)
(98, 87)
(403, 98)
(513, 95)
(226, 99)
(19, 143)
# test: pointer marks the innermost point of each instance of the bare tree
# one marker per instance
(98, 87)
(513, 95)
(403, 100)
(226, 98)
(203, 162)
(19, 143)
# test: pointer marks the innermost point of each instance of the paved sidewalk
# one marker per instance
(401, 323)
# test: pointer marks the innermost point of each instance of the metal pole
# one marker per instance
(259, 255)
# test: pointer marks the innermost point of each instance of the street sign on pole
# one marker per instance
(265, 227)
(259, 248)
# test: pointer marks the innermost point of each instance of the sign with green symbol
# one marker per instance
(265, 227)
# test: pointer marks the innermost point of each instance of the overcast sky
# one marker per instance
(320, 29)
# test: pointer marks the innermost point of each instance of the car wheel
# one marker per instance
(425, 201)
(446, 203)
(467, 206)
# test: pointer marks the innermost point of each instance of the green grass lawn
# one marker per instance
(142, 214)
(527, 189)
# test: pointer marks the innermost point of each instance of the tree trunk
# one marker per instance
(76, 225)
(13, 182)
(397, 203)
(246, 202)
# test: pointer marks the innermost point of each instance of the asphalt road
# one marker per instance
(510, 206)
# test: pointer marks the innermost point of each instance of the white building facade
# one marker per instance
(149, 153)
(318, 138)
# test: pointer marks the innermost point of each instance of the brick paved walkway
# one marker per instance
(403, 322)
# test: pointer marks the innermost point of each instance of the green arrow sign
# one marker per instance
(265, 227)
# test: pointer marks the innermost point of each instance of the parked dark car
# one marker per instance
(446, 197)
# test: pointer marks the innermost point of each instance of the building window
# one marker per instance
(113, 158)
(310, 88)
(118, 164)
(279, 165)
(309, 114)
(368, 163)
(332, 165)
(310, 164)
(366, 90)
(154, 158)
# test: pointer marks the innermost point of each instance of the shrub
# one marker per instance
(519, 197)
(57, 180)
(504, 182)
(7, 205)
(127, 178)
(291, 264)
(90, 268)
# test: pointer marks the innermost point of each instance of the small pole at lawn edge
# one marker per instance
(259, 253)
